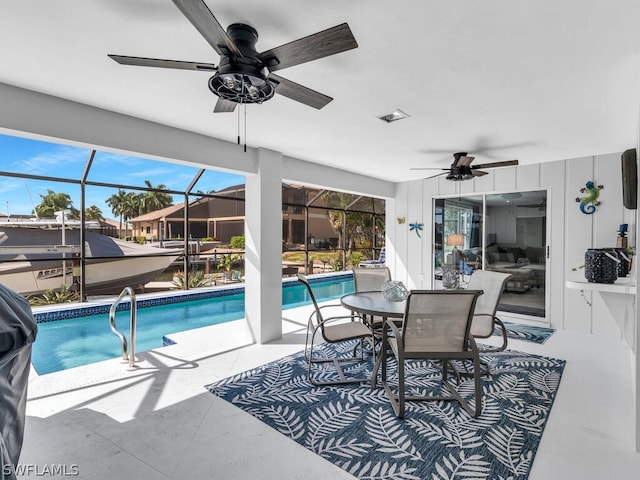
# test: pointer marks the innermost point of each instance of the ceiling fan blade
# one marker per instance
(428, 168)
(506, 163)
(299, 93)
(201, 17)
(223, 106)
(464, 161)
(437, 175)
(158, 62)
(322, 44)
(478, 173)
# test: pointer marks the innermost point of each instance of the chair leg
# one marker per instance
(401, 392)
(336, 363)
(456, 396)
(385, 381)
(398, 398)
(478, 386)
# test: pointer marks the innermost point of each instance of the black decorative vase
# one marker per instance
(601, 265)
(624, 265)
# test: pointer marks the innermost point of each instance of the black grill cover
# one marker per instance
(17, 332)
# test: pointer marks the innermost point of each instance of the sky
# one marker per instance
(24, 155)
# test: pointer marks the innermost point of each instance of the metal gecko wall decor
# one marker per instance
(589, 202)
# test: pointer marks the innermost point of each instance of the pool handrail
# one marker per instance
(126, 356)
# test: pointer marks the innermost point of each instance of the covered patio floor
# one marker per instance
(159, 422)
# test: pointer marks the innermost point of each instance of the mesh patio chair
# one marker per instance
(484, 316)
(335, 329)
(436, 326)
(484, 320)
(371, 280)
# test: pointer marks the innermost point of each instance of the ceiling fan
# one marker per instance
(243, 75)
(461, 168)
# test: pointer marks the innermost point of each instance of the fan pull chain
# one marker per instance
(238, 126)
(245, 128)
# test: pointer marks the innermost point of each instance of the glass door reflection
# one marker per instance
(504, 232)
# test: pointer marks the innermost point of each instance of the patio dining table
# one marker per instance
(373, 304)
(370, 305)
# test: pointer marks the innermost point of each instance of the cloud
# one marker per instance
(10, 185)
(69, 160)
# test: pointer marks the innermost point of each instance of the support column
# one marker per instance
(263, 248)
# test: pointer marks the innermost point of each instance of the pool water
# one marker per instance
(79, 341)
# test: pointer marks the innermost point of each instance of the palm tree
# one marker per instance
(117, 203)
(93, 213)
(131, 206)
(154, 200)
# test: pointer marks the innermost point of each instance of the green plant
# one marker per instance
(336, 262)
(227, 260)
(196, 279)
(141, 239)
(237, 241)
(355, 258)
(66, 294)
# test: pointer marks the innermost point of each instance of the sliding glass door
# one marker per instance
(504, 232)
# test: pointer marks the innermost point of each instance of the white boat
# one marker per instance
(37, 255)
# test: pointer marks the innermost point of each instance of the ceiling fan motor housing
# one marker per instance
(462, 172)
(242, 79)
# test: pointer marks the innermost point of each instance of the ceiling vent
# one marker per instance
(397, 114)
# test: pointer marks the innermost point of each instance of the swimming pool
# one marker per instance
(72, 342)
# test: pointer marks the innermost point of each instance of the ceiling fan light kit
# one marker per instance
(245, 79)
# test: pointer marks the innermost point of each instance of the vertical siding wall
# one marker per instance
(570, 232)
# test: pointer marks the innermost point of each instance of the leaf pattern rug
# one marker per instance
(530, 333)
(355, 427)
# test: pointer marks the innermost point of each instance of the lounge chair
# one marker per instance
(375, 263)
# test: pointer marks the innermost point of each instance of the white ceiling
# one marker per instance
(502, 79)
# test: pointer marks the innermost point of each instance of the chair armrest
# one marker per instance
(473, 344)
(333, 305)
(336, 305)
(314, 313)
(341, 317)
(392, 325)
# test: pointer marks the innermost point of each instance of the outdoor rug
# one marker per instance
(530, 333)
(355, 427)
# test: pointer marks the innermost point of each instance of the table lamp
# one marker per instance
(455, 240)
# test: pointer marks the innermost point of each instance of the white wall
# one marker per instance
(570, 232)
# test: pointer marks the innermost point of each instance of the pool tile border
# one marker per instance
(154, 300)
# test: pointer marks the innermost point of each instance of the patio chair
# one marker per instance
(436, 326)
(371, 280)
(335, 329)
(484, 316)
